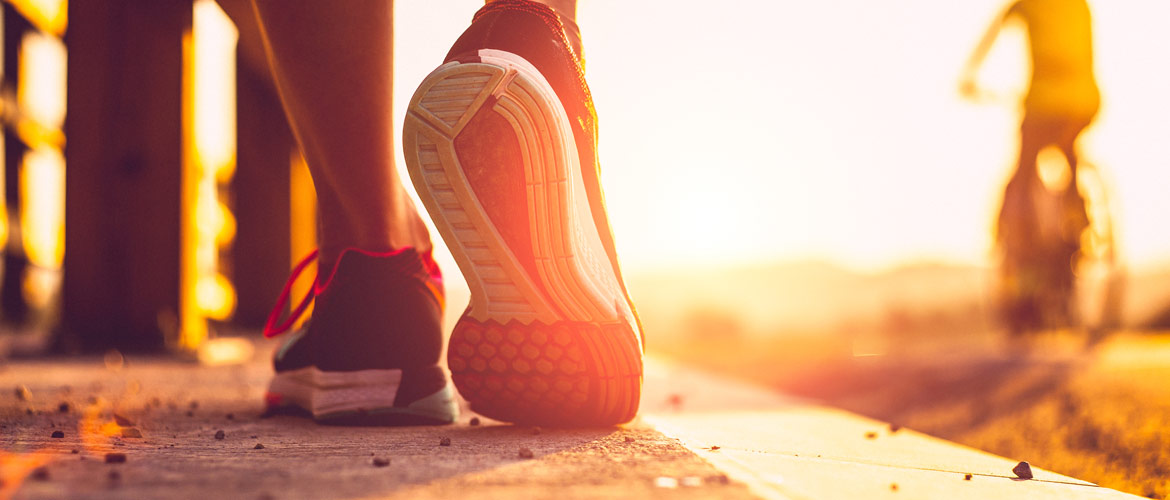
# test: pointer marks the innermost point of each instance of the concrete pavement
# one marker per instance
(178, 408)
(699, 436)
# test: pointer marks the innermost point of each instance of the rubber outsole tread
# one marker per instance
(567, 374)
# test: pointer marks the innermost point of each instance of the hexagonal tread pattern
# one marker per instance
(564, 374)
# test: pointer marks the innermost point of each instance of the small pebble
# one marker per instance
(63, 408)
(115, 458)
(895, 428)
(123, 421)
(719, 479)
(525, 453)
(57, 434)
(40, 474)
(536, 431)
(474, 421)
(230, 416)
(193, 405)
(967, 477)
(871, 435)
(1023, 470)
(381, 462)
(220, 434)
(75, 451)
(131, 432)
(258, 447)
(253, 437)
(22, 393)
(446, 441)
(629, 439)
(190, 413)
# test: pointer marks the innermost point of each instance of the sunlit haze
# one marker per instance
(748, 132)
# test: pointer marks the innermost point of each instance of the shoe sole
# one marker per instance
(557, 349)
(363, 397)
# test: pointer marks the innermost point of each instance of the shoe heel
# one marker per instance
(558, 375)
(568, 275)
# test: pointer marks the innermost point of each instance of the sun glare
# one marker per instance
(834, 130)
(209, 142)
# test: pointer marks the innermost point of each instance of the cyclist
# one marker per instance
(1061, 101)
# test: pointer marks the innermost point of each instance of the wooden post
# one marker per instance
(122, 190)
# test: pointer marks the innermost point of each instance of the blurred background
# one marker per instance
(799, 192)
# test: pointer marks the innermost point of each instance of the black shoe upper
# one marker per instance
(375, 313)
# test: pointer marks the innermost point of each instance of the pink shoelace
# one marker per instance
(271, 328)
(274, 326)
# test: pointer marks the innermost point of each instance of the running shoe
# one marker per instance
(369, 355)
(500, 142)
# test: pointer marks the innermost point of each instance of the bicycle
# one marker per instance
(1058, 264)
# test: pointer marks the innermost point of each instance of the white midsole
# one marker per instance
(324, 393)
(570, 258)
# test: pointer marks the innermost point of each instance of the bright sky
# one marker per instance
(747, 131)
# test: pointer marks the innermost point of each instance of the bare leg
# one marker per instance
(333, 68)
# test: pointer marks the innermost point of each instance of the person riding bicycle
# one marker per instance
(1061, 101)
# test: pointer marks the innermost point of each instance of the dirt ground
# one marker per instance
(1101, 415)
(180, 430)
